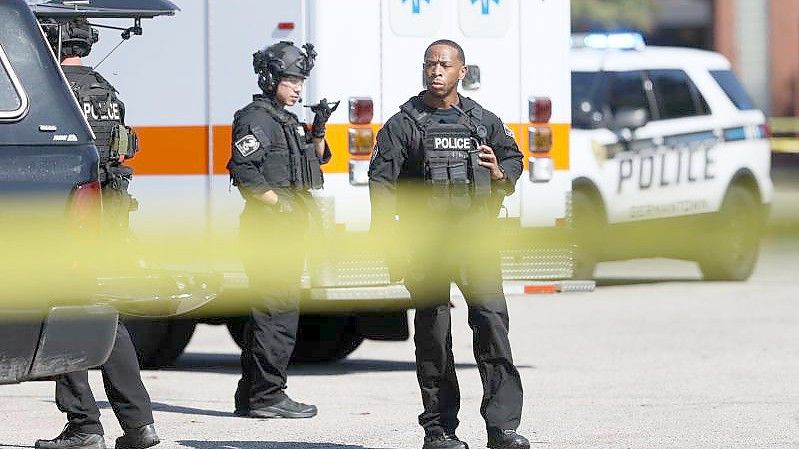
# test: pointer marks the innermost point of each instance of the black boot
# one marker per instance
(506, 439)
(72, 439)
(443, 441)
(287, 408)
(138, 438)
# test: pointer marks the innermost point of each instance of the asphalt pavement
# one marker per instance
(654, 358)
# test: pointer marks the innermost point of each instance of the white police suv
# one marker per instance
(669, 157)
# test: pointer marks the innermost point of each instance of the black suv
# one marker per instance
(47, 158)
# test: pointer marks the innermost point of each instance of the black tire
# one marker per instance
(159, 342)
(733, 244)
(587, 223)
(325, 338)
(320, 338)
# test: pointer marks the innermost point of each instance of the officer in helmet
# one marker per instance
(105, 113)
(275, 162)
(442, 166)
(123, 384)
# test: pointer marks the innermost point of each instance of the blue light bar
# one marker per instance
(609, 41)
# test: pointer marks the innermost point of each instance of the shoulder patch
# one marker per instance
(248, 145)
(508, 131)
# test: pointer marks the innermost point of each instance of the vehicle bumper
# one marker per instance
(74, 338)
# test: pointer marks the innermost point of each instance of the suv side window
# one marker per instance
(13, 101)
(733, 88)
(626, 91)
(677, 95)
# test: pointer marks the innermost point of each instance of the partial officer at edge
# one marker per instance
(275, 162)
(121, 377)
(442, 165)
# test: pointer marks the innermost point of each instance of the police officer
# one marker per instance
(275, 162)
(442, 166)
(121, 378)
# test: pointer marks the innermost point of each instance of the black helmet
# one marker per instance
(282, 59)
(77, 36)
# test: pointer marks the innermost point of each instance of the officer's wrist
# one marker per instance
(318, 131)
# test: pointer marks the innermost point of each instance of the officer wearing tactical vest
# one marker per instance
(105, 113)
(275, 163)
(123, 385)
(439, 163)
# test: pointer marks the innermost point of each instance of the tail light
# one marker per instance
(361, 141)
(359, 172)
(86, 205)
(540, 139)
(763, 131)
(540, 109)
(542, 168)
(362, 110)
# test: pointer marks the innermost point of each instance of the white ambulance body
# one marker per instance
(186, 76)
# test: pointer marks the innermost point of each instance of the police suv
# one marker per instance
(669, 157)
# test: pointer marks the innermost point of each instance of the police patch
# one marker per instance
(508, 131)
(248, 145)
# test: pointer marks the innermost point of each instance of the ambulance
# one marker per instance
(185, 76)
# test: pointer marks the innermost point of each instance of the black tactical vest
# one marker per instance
(304, 169)
(451, 159)
(104, 111)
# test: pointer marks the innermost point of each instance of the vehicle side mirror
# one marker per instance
(629, 119)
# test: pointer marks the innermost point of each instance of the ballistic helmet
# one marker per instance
(77, 36)
(280, 60)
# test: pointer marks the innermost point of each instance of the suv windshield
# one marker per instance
(733, 88)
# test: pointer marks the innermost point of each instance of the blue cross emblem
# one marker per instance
(486, 5)
(417, 5)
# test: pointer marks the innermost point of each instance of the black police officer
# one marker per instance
(442, 165)
(121, 378)
(275, 162)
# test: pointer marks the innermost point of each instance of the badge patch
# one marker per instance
(301, 131)
(248, 145)
(509, 132)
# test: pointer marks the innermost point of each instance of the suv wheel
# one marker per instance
(159, 342)
(734, 240)
(320, 338)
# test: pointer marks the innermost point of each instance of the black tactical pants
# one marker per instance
(274, 259)
(480, 280)
(123, 385)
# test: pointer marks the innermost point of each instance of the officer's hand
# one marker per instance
(489, 160)
(269, 197)
(323, 111)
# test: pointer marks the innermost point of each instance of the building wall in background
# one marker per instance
(761, 38)
(752, 48)
(784, 60)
